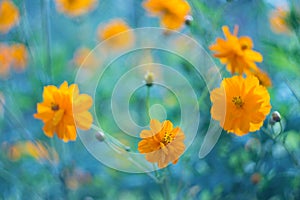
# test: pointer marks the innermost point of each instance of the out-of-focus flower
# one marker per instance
(162, 144)
(5, 59)
(19, 56)
(278, 21)
(75, 8)
(9, 16)
(86, 56)
(263, 78)
(172, 12)
(118, 32)
(63, 109)
(256, 178)
(236, 52)
(75, 177)
(15, 55)
(14, 153)
(37, 150)
(240, 104)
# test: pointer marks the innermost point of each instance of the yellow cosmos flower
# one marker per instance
(75, 8)
(5, 59)
(171, 12)
(236, 52)
(37, 150)
(278, 21)
(263, 78)
(86, 56)
(162, 144)
(114, 28)
(63, 109)
(19, 56)
(9, 16)
(240, 104)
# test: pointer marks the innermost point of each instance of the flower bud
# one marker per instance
(149, 77)
(188, 20)
(275, 117)
(100, 136)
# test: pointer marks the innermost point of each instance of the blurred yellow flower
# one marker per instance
(5, 59)
(15, 55)
(112, 32)
(172, 12)
(240, 104)
(278, 21)
(9, 16)
(14, 153)
(19, 56)
(36, 150)
(162, 144)
(86, 56)
(263, 78)
(63, 109)
(236, 52)
(75, 8)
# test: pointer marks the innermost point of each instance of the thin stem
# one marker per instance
(291, 155)
(165, 188)
(147, 102)
(47, 33)
(292, 90)
(120, 148)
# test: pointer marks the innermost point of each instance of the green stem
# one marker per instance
(291, 155)
(165, 188)
(46, 29)
(147, 102)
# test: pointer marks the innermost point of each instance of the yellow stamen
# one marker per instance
(238, 102)
(54, 107)
(167, 138)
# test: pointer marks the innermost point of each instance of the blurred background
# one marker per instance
(261, 165)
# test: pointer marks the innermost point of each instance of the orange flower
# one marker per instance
(63, 109)
(19, 56)
(162, 144)
(278, 21)
(263, 78)
(112, 32)
(86, 56)
(36, 150)
(9, 16)
(236, 52)
(5, 59)
(75, 8)
(240, 104)
(171, 12)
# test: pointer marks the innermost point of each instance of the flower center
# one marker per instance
(54, 107)
(238, 102)
(167, 138)
(244, 47)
